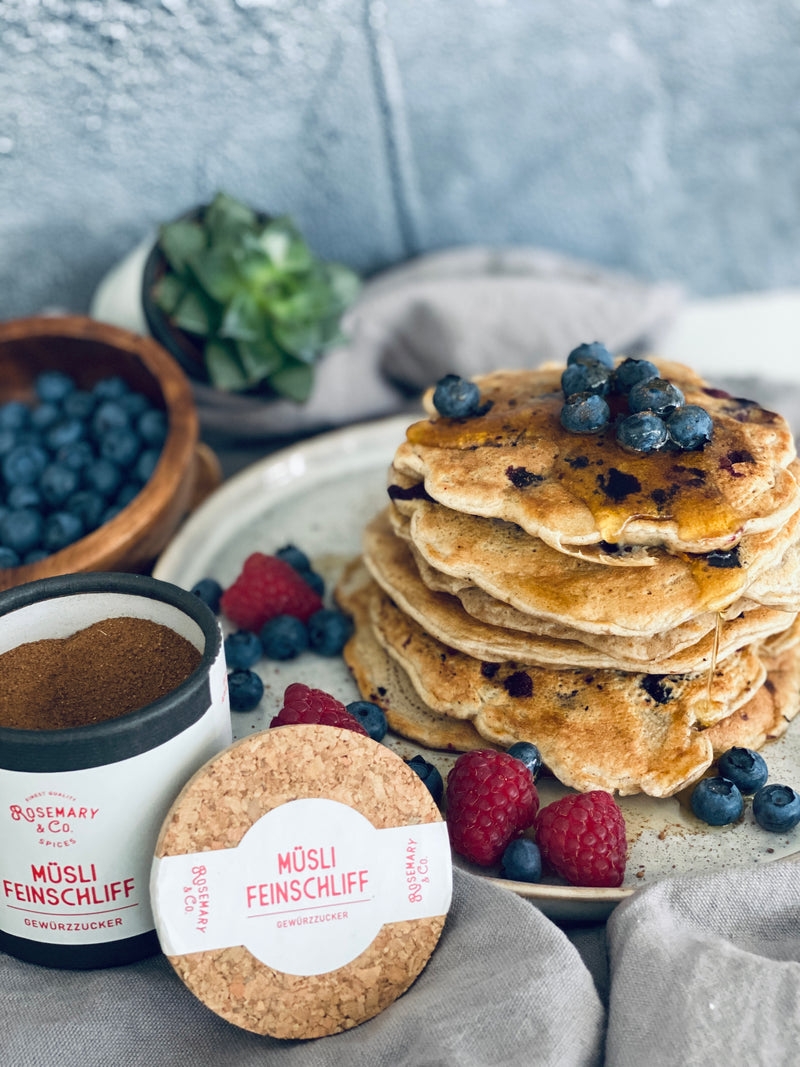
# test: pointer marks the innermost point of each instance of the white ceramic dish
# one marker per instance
(319, 495)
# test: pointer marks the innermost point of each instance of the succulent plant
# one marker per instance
(249, 289)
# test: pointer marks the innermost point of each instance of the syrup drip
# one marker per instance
(712, 666)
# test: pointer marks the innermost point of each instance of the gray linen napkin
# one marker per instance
(706, 969)
(464, 311)
(504, 986)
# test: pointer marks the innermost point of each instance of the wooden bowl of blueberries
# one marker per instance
(100, 458)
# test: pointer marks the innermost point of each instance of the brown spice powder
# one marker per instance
(99, 673)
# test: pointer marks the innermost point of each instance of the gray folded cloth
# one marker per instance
(706, 969)
(464, 311)
(504, 986)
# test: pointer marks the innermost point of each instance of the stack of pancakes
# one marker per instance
(632, 615)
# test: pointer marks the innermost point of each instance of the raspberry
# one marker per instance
(301, 704)
(491, 799)
(266, 587)
(582, 837)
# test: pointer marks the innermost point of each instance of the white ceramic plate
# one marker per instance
(319, 495)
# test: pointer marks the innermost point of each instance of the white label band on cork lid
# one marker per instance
(306, 890)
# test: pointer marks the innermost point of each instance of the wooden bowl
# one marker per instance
(186, 471)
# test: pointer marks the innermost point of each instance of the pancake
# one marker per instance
(444, 616)
(515, 462)
(530, 576)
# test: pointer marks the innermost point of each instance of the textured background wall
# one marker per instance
(658, 136)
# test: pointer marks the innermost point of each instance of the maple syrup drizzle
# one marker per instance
(712, 666)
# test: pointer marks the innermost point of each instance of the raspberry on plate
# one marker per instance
(491, 799)
(582, 837)
(301, 704)
(266, 587)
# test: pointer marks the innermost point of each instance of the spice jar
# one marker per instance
(112, 693)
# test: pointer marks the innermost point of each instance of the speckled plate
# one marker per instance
(319, 495)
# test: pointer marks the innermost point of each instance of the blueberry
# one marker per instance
(24, 464)
(429, 775)
(594, 351)
(21, 529)
(120, 446)
(146, 464)
(529, 755)
(88, 506)
(61, 528)
(210, 591)
(586, 376)
(109, 417)
(456, 398)
(51, 386)
(716, 801)
(76, 455)
(111, 388)
(328, 631)
(8, 557)
(371, 717)
(245, 689)
(284, 637)
(777, 808)
(242, 650)
(58, 482)
(24, 496)
(690, 427)
(104, 477)
(743, 767)
(8, 440)
(296, 558)
(631, 371)
(152, 427)
(44, 415)
(522, 861)
(642, 432)
(584, 413)
(316, 581)
(64, 432)
(128, 492)
(14, 415)
(134, 405)
(78, 405)
(656, 395)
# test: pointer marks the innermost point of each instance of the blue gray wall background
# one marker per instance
(661, 137)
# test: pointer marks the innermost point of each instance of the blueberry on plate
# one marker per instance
(371, 717)
(642, 432)
(456, 398)
(594, 351)
(284, 637)
(690, 427)
(744, 767)
(295, 557)
(210, 591)
(777, 808)
(586, 376)
(631, 371)
(656, 395)
(430, 776)
(329, 631)
(522, 861)
(316, 581)
(529, 754)
(717, 801)
(585, 413)
(245, 689)
(242, 649)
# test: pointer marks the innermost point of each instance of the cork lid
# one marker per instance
(301, 881)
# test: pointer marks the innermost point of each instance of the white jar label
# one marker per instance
(76, 847)
(306, 890)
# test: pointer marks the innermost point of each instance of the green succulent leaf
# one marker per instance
(224, 369)
(259, 359)
(294, 381)
(242, 319)
(179, 241)
(216, 273)
(168, 292)
(193, 314)
(226, 219)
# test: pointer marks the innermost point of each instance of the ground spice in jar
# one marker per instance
(99, 673)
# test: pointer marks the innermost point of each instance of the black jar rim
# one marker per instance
(97, 744)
